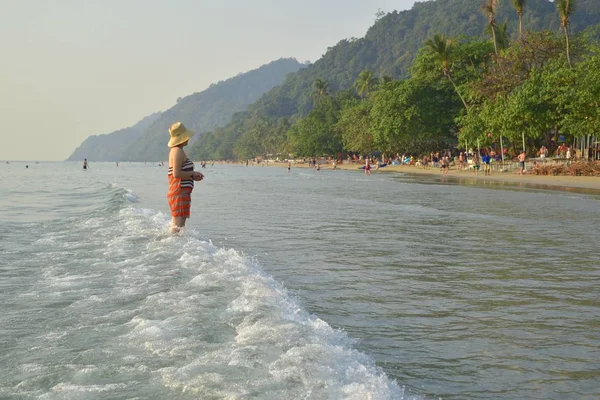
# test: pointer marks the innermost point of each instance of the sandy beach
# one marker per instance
(588, 183)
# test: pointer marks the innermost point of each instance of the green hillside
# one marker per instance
(201, 112)
(111, 146)
(211, 108)
(388, 48)
(390, 45)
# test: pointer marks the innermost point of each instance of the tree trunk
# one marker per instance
(568, 54)
(494, 37)
(457, 92)
(520, 26)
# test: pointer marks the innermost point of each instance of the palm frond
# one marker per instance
(518, 6)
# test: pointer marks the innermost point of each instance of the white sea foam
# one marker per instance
(179, 312)
(65, 387)
(235, 331)
(130, 196)
(100, 301)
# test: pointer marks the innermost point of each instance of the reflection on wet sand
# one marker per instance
(494, 184)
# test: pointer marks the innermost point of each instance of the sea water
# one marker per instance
(294, 285)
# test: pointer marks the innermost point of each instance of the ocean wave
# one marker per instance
(257, 340)
(122, 293)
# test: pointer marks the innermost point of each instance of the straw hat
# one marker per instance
(179, 134)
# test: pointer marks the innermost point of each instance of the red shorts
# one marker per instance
(180, 203)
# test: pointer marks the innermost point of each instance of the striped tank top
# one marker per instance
(176, 184)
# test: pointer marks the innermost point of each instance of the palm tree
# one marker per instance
(440, 47)
(489, 8)
(320, 89)
(565, 9)
(501, 35)
(365, 82)
(518, 6)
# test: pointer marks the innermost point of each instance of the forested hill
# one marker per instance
(111, 146)
(211, 108)
(391, 44)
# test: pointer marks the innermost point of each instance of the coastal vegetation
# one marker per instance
(422, 81)
(442, 74)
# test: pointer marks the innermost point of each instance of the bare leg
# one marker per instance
(177, 223)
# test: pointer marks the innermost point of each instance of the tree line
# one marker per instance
(461, 90)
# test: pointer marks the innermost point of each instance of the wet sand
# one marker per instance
(589, 183)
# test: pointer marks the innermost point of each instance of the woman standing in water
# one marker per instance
(181, 176)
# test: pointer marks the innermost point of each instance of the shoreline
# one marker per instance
(559, 183)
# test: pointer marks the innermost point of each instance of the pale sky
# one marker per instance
(74, 68)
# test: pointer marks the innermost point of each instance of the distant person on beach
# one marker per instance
(181, 176)
(487, 167)
(85, 163)
(367, 167)
(475, 164)
(522, 162)
(444, 165)
(289, 166)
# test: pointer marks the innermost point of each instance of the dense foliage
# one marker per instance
(531, 92)
(454, 82)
